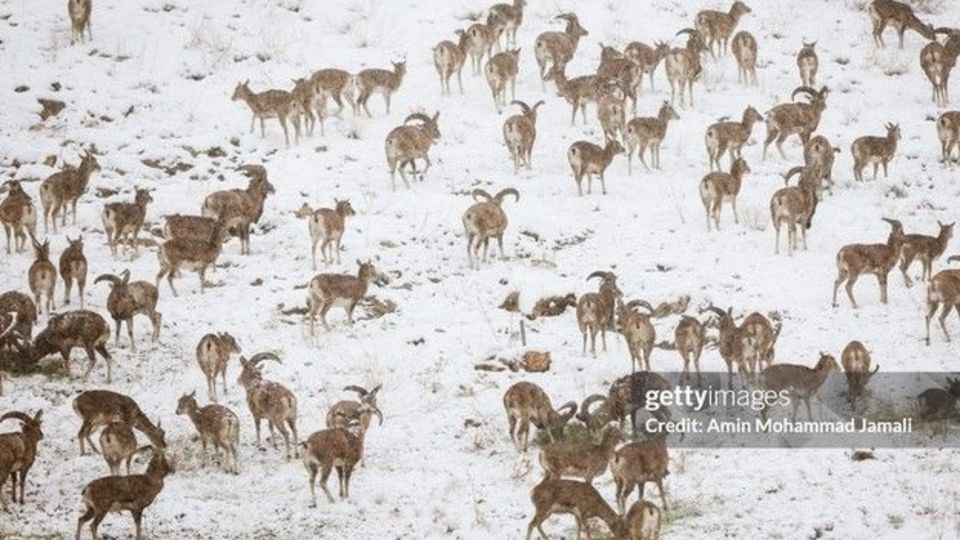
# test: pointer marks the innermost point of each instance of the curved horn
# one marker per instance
(537, 105)
(361, 391)
(481, 193)
(504, 192)
(376, 411)
(804, 90)
(112, 278)
(953, 258)
(375, 389)
(721, 313)
(418, 116)
(261, 356)
(599, 273)
(125, 275)
(523, 106)
(17, 415)
(572, 405)
(591, 399)
(791, 172)
(639, 303)
(13, 322)
(690, 31)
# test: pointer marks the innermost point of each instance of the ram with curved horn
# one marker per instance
(527, 403)
(407, 143)
(683, 66)
(344, 413)
(129, 299)
(597, 419)
(519, 134)
(638, 332)
(557, 48)
(735, 344)
(485, 220)
(794, 206)
(799, 119)
(595, 311)
(269, 400)
(18, 450)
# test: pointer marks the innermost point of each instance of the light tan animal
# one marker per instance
(799, 119)
(643, 521)
(719, 187)
(937, 62)
(501, 72)
(801, 382)
(448, 58)
(578, 92)
(943, 290)
(874, 150)
(328, 449)
(638, 332)
(589, 160)
(381, 81)
(744, 49)
(808, 63)
(506, 19)
(18, 215)
(900, 17)
(79, 11)
(717, 26)
(794, 207)
(270, 400)
(215, 424)
(729, 136)
(683, 66)
(127, 300)
(611, 114)
(586, 462)
(820, 154)
(581, 499)
(238, 209)
(102, 407)
(854, 260)
(856, 366)
(118, 444)
(622, 73)
(326, 224)
(194, 255)
(61, 190)
(123, 220)
(763, 335)
(304, 93)
(356, 415)
(278, 104)
(213, 356)
(689, 338)
(42, 277)
(519, 134)
(407, 143)
(341, 290)
(647, 58)
(596, 311)
(482, 38)
(526, 403)
(637, 463)
(735, 344)
(18, 451)
(485, 220)
(645, 132)
(73, 269)
(335, 84)
(556, 49)
(189, 227)
(948, 132)
(926, 248)
(118, 493)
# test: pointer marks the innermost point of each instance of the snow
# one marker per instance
(427, 474)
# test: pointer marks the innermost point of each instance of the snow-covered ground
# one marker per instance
(155, 84)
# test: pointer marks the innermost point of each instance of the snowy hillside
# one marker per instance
(151, 95)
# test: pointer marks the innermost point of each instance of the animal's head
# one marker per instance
(76, 245)
(230, 342)
(667, 111)
(187, 403)
(143, 197)
(368, 272)
(29, 424)
(739, 8)
(827, 363)
(751, 115)
(241, 90)
(893, 131)
(89, 162)
(343, 207)
(250, 370)
(400, 68)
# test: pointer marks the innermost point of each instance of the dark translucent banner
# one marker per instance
(883, 410)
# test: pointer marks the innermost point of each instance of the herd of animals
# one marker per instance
(194, 243)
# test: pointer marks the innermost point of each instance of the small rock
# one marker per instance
(21, 89)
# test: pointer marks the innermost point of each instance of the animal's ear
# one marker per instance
(359, 263)
(246, 82)
(159, 423)
(192, 394)
(38, 416)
